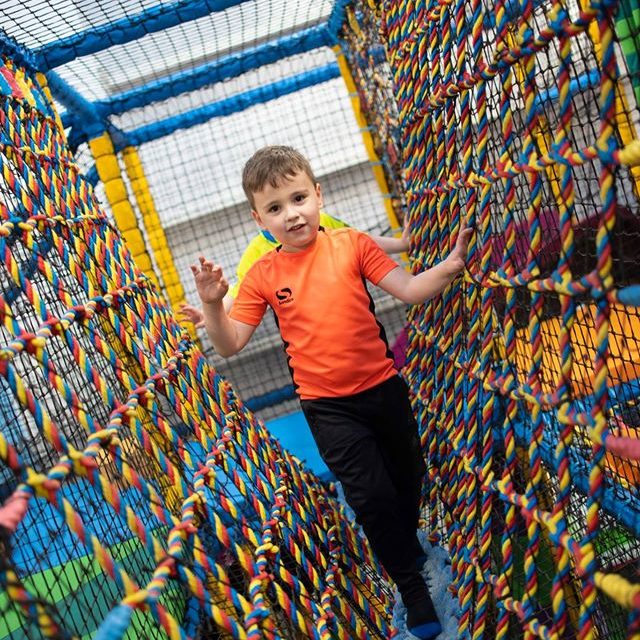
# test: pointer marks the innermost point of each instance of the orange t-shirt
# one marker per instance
(333, 340)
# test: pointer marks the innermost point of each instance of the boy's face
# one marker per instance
(290, 211)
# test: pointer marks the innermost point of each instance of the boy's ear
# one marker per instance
(256, 217)
(319, 193)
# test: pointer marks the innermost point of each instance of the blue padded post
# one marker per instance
(337, 18)
(84, 118)
(12, 49)
(92, 123)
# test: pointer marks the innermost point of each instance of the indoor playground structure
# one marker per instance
(143, 493)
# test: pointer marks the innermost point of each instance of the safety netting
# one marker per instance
(520, 119)
(141, 497)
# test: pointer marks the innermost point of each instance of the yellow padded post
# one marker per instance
(116, 192)
(376, 164)
(159, 246)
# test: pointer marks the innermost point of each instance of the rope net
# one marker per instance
(521, 120)
(140, 496)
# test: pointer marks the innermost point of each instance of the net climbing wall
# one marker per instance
(141, 497)
(521, 120)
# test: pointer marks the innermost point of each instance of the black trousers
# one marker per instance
(371, 444)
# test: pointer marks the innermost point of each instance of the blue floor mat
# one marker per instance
(294, 434)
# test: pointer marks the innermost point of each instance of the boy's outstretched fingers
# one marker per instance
(189, 313)
(205, 265)
(464, 237)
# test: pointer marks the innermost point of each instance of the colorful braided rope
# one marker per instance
(520, 481)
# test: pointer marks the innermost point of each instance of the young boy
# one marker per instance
(355, 403)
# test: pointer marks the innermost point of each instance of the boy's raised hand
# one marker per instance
(458, 256)
(210, 281)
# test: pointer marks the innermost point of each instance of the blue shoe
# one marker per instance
(426, 631)
(422, 620)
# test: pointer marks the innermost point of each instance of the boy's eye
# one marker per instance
(273, 208)
(299, 198)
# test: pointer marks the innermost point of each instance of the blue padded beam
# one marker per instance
(630, 295)
(228, 67)
(584, 81)
(234, 104)
(126, 30)
(616, 500)
(270, 398)
(76, 104)
(512, 8)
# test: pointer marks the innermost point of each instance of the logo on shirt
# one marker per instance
(284, 296)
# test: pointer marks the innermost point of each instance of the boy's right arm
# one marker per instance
(228, 336)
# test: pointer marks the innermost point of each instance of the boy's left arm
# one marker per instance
(391, 244)
(414, 289)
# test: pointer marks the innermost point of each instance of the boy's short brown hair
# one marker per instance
(271, 165)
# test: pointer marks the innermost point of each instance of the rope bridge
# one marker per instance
(140, 497)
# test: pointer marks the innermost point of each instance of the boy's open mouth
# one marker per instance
(296, 227)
